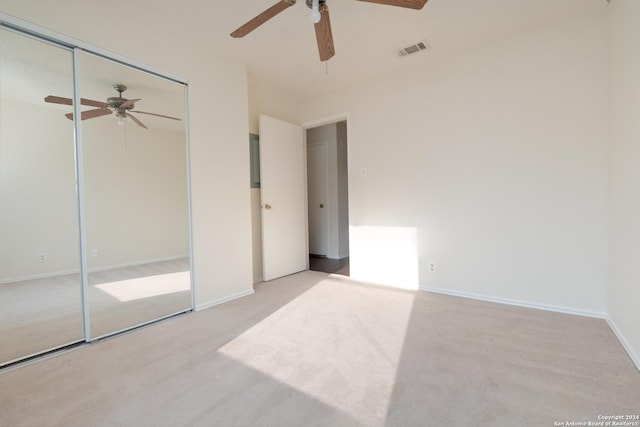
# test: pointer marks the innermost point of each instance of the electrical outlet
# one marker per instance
(94, 253)
(42, 257)
(432, 267)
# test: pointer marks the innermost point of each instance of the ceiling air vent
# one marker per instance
(414, 48)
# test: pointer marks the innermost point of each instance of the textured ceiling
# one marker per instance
(283, 52)
(367, 36)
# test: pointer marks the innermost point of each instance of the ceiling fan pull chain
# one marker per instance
(126, 140)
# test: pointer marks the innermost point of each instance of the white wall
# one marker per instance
(269, 100)
(218, 126)
(624, 242)
(39, 211)
(492, 164)
(135, 193)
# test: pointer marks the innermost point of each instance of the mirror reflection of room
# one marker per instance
(117, 191)
(40, 291)
(135, 197)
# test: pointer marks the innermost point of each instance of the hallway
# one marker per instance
(328, 265)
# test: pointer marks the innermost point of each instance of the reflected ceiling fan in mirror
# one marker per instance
(122, 107)
(320, 19)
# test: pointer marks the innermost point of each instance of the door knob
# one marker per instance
(267, 206)
(321, 205)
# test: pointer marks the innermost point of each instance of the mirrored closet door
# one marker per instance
(135, 195)
(94, 213)
(40, 288)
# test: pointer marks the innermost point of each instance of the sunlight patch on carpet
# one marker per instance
(318, 343)
(145, 287)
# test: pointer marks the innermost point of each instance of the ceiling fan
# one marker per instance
(320, 18)
(122, 107)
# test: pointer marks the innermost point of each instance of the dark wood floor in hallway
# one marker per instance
(329, 265)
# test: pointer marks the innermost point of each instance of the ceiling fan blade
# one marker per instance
(92, 103)
(411, 4)
(68, 101)
(138, 122)
(324, 35)
(262, 18)
(129, 103)
(58, 100)
(158, 115)
(90, 114)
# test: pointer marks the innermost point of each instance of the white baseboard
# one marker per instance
(634, 357)
(225, 299)
(38, 276)
(136, 263)
(558, 309)
(91, 270)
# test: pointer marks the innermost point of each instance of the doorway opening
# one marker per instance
(328, 198)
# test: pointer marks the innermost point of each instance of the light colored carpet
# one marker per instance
(39, 314)
(319, 350)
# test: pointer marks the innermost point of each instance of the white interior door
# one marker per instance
(317, 167)
(283, 190)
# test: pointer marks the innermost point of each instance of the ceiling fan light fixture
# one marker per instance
(315, 12)
(120, 118)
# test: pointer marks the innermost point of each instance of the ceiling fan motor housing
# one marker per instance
(322, 4)
(115, 102)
